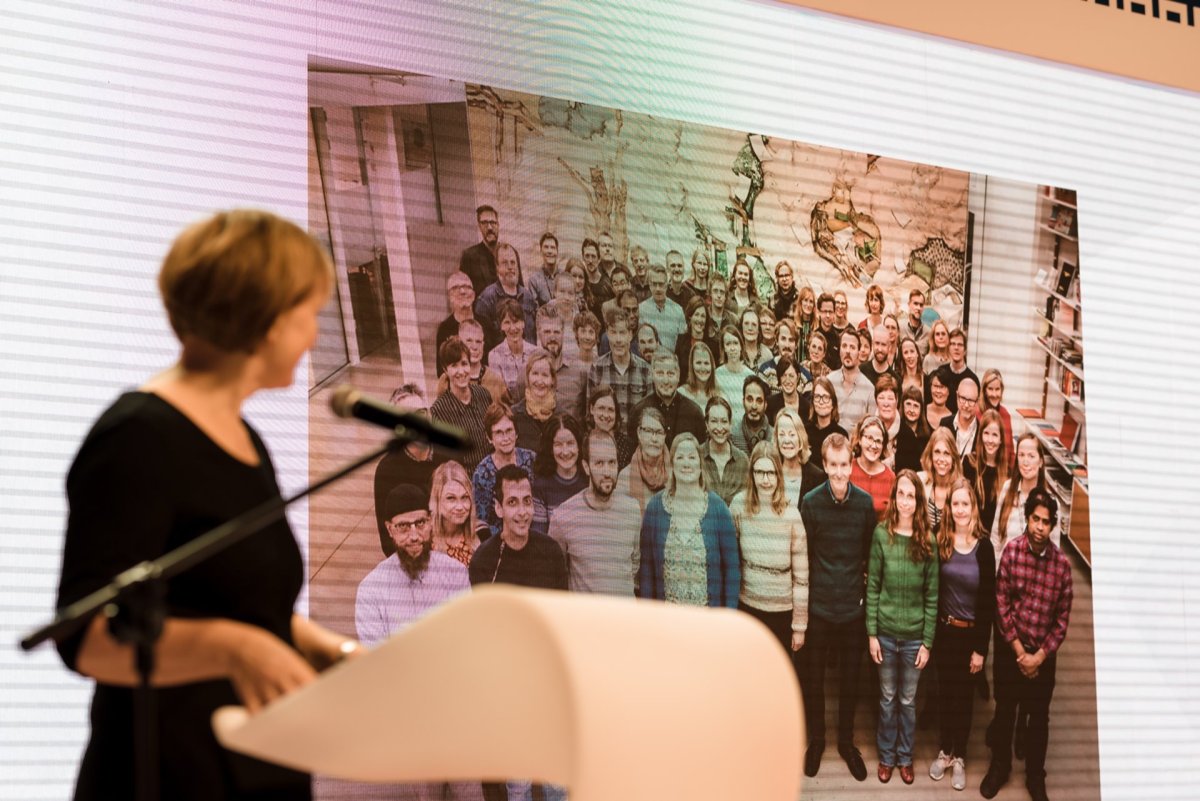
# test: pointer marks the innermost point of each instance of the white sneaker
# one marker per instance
(958, 776)
(938, 768)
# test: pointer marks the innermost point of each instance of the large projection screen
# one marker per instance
(124, 124)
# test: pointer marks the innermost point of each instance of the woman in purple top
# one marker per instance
(966, 608)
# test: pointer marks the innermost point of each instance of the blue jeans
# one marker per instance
(898, 676)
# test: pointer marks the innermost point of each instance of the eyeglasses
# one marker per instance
(406, 527)
(764, 474)
(967, 401)
(652, 432)
(822, 398)
(838, 304)
(461, 290)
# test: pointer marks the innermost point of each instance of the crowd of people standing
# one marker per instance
(658, 430)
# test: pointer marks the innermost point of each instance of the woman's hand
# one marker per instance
(797, 641)
(263, 667)
(322, 647)
(876, 651)
(922, 657)
(976, 662)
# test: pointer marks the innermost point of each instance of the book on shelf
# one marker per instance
(1066, 432)
(1071, 386)
(1064, 195)
(1061, 219)
(1067, 270)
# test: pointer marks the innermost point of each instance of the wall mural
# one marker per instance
(844, 220)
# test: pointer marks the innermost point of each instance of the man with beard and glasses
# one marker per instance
(412, 464)
(401, 588)
(597, 530)
(411, 581)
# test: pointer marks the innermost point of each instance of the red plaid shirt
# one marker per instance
(1033, 596)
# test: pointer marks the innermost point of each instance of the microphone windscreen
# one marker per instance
(343, 400)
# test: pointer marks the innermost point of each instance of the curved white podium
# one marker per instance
(611, 698)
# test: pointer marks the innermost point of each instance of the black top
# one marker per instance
(145, 481)
(817, 437)
(951, 379)
(394, 469)
(539, 564)
(530, 430)
(683, 352)
(682, 416)
(987, 504)
(776, 402)
(479, 263)
(909, 447)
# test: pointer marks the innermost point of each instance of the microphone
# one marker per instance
(350, 402)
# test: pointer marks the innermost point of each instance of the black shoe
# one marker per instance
(812, 757)
(854, 761)
(1037, 789)
(1019, 739)
(995, 779)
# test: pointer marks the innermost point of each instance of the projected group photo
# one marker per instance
(838, 391)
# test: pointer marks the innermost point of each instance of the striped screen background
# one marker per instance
(118, 126)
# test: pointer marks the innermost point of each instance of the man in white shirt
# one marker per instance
(965, 422)
(414, 579)
(598, 530)
(855, 392)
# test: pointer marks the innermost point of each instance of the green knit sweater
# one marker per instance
(902, 595)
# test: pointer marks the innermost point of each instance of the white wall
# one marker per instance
(1006, 261)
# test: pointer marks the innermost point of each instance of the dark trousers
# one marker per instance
(956, 684)
(1032, 696)
(843, 646)
(780, 624)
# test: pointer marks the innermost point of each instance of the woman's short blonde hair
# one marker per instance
(226, 279)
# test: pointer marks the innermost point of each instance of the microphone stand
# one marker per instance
(134, 602)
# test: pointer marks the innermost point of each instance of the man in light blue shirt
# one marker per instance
(660, 311)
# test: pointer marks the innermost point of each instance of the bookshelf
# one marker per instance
(1059, 422)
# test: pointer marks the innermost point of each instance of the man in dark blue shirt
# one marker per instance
(839, 519)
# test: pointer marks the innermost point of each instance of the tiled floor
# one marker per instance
(344, 547)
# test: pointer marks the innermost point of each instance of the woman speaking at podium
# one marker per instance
(171, 460)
